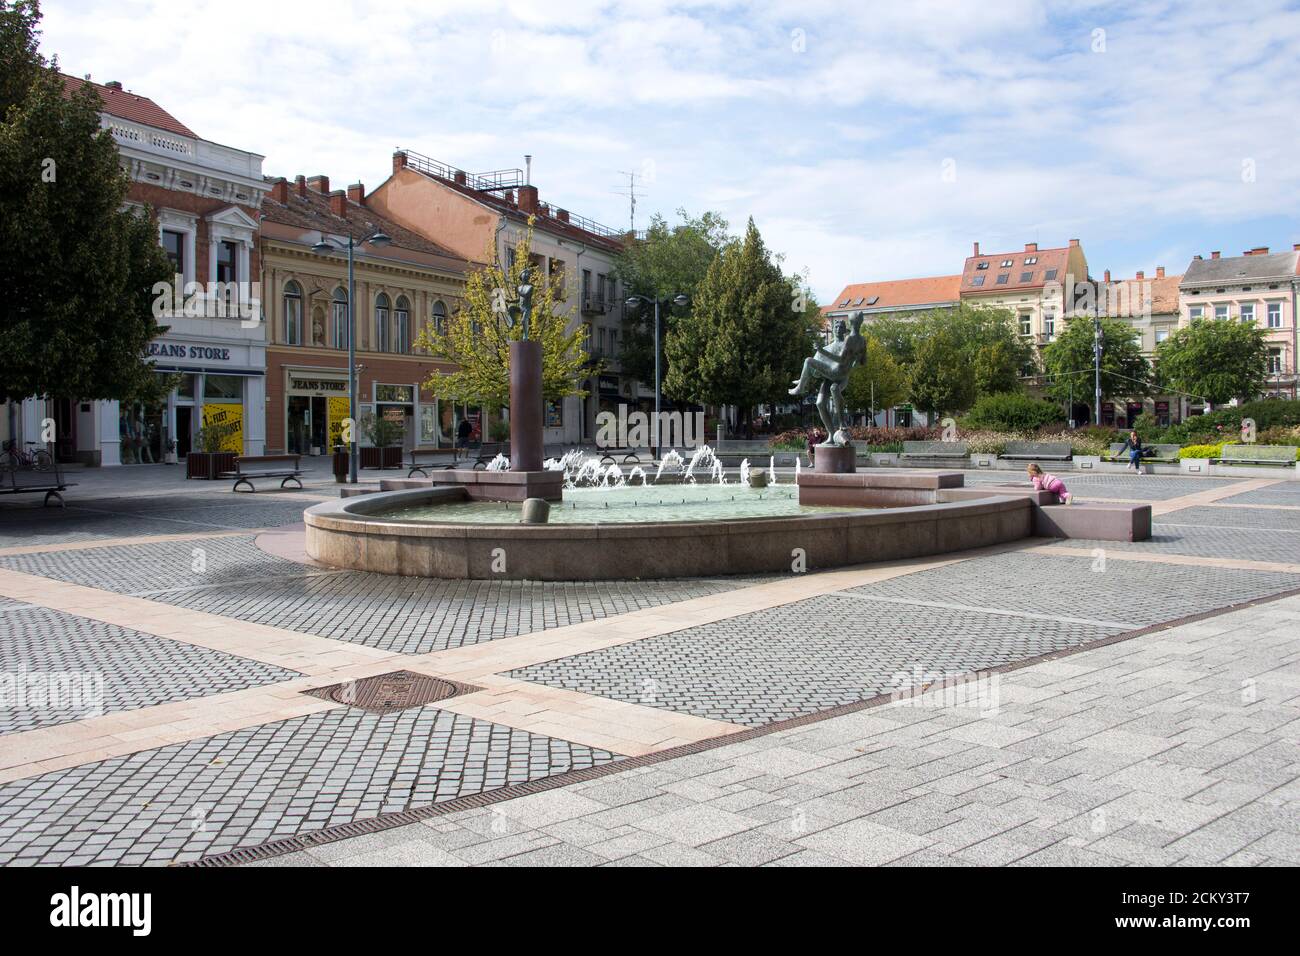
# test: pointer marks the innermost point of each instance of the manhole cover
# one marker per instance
(385, 693)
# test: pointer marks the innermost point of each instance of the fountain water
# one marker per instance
(499, 463)
(771, 471)
(671, 460)
(744, 472)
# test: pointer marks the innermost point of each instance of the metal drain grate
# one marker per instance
(385, 693)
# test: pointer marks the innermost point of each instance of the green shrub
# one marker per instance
(1008, 411)
(1201, 451)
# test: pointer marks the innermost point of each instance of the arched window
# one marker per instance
(292, 313)
(440, 317)
(402, 325)
(339, 318)
(382, 338)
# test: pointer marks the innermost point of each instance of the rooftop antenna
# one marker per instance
(528, 169)
(631, 196)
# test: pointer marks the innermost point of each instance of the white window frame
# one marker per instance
(1274, 309)
(1227, 311)
(285, 295)
(1246, 312)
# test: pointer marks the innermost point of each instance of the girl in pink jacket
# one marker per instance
(1045, 482)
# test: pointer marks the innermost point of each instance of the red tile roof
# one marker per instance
(1134, 298)
(313, 212)
(1048, 259)
(130, 106)
(898, 293)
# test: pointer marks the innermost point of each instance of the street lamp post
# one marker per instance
(325, 246)
(679, 300)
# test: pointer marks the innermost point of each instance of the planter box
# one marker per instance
(208, 465)
(380, 457)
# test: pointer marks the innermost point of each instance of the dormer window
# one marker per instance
(1031, 260)
(1007, 263)
(982, 265)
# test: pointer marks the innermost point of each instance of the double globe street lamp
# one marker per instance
(679, 300)
(325, 246)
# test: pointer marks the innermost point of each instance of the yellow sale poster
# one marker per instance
(228, 421)
(338, 412)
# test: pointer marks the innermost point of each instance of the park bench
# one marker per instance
(250, 467)
(1163, 453)
(932, 450)
(1256, 455)
(423, 459)
(486, 453)
(1036, 451)
(20, 478)
(620, 456)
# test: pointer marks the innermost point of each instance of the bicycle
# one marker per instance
(12, 458)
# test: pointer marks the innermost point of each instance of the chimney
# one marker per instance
(544, 209)
(1160, 272)
(1257, 251)
(114, 84)
(459, 178)
(357, 194)
(528, 199)
(1074, 243)
(300, 185)
(339, 203)
(399, 160)
(280, 189)
(563, 216)
(1141, 275)
(1214, 255)
(1107, 275)
(320, 183)
(528, 169)
(1031, 247)
(1296, 247)
(977, 250)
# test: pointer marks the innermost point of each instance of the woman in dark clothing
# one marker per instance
(1136, 451)
(463, 432)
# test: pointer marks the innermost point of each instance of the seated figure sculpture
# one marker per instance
(831, 365)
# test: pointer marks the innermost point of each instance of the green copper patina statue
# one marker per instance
(830, 365)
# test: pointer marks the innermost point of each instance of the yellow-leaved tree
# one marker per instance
(476, 338)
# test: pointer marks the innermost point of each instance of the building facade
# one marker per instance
(1036, 285)
(1149, 305)
(480, 216)
(401, 288)
(1258, 287)
(205, 198)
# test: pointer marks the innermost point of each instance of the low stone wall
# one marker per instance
(351, 533)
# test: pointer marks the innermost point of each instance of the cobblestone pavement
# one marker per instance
(117, 669)
(1286, 494)
(1112, 486)
(1176, 748)
(1172, 747)
(240, 789)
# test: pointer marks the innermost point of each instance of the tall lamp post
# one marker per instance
(632, 302)
(326, 246)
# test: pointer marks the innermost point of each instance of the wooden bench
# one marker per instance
(487, 452)
(249, 467)
(1256, 455)
(20, 479)
(1163, 453)
(931, 450)
(423, 459)
(1036, 451)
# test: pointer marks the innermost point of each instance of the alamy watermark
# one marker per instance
(979, 690)
(216, 300)
(79, 694)
(635, 429)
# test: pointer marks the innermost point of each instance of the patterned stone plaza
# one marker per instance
(1093, 702)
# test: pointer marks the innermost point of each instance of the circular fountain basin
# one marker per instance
(649, 532)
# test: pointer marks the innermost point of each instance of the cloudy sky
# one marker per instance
(868, 140)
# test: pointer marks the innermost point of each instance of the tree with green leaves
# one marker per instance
(747, 333)
(879, 382)
(476, 338)
(1215, 359)
(1068, 361)
(942, 378)
(671, 259)
(78, 268)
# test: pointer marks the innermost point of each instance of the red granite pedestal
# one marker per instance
(835, 460)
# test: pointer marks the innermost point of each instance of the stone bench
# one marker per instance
(1094, 521)
(1163, 453)
(1256, 455)
(934, 450)
(1036, 451)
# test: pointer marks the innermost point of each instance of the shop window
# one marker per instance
(223, 388)
(292, 314)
